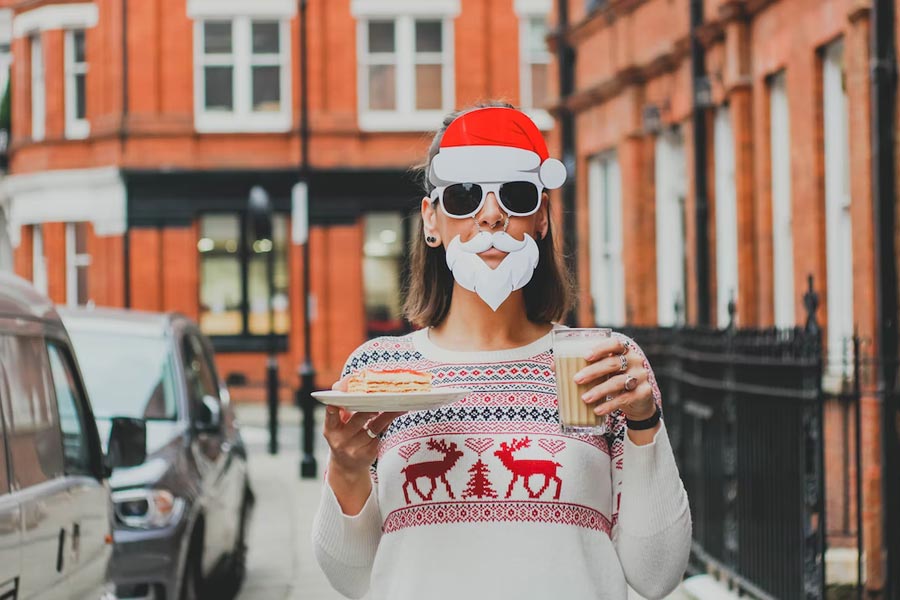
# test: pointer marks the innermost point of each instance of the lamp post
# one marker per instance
(260, 211)
(300, 198)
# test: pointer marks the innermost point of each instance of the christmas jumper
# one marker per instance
(487, 498)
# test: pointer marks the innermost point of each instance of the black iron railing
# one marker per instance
(743, 408)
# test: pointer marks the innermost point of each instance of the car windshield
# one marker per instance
(127, 375)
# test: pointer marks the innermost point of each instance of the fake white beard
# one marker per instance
(493, 285)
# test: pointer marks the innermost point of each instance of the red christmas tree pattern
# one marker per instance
(479, 485)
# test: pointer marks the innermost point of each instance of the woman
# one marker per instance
(487, 498)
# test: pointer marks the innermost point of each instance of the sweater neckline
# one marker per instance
(427, 348)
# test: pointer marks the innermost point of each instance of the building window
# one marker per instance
(76, 76)
(838, 226)
(405, 72)
(782, 234)
(38, 98)
(726, 217)
(535, 62)
(38, 260)
(671, 190)
(242, 77)
(234, 287)
(77, 263)
(383, 265)
(607, 270)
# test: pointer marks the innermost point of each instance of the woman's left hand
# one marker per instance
(605, 366)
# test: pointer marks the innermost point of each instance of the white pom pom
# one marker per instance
(553, 173)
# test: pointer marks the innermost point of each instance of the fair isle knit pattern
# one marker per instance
(495, 458)
(513, 403)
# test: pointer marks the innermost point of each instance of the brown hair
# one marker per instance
(429, 286)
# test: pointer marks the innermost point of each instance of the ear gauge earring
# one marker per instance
(431, 239)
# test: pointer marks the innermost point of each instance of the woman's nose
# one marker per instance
(491, 214)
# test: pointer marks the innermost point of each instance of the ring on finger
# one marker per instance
(631, 383)
(626, 346)
(369, 432)
(623, 363)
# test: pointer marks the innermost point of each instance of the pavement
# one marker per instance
(280, 563)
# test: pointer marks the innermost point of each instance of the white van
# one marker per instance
(56, 514)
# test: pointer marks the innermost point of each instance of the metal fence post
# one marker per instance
(730, 443)
(814, 455)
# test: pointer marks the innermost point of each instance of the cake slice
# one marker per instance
(389, 380)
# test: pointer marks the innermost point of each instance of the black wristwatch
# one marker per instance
(646, 423)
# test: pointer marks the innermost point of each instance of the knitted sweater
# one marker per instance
(486, 498)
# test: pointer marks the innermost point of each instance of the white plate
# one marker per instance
(390, 401)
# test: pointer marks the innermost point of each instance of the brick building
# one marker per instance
(139, 129)
(787, 97)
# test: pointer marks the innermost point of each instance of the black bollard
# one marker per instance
(272, 400)
(308, 467)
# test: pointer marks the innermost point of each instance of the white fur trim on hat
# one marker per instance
(484, 164)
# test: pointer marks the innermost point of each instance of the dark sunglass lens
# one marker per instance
(462, 198)
(520, 197)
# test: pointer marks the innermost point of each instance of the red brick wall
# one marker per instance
(23, 254)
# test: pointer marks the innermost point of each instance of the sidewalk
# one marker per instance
(280, 564)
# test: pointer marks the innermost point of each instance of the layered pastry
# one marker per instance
(391, 380)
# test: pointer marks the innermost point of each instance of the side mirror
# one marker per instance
(209, 416)
(127, 443)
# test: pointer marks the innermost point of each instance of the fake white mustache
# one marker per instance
(485, 240)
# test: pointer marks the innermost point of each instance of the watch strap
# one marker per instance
(649, 423)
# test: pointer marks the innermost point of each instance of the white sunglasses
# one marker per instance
(464, 200)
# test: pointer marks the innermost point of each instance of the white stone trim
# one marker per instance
(531, 8)
(95, 195)
(364, 9)
(204, 9)
(55, 16)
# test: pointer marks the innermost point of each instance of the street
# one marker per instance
(280, 563)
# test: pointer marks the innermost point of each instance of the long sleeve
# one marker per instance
(345, 546)
(653, 533)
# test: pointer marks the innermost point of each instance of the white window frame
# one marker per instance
(405, 117)
(726, 217)
(671, 191)
(782, 226)
(607, 266)
(74, 261)
(526, 11)
(75, 128)
(242, 119)
(838, 223)
(38, 90)
(38, 259)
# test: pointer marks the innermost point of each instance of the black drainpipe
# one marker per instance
(884, 81)
(126, 243)
(700, 86)
(566, 58)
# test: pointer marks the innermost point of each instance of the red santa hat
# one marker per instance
(495, 144)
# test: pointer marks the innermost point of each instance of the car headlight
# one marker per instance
(147, 508)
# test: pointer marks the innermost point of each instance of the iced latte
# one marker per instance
(570, 347)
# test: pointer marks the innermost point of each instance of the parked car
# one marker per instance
(181, 516)
(56, 515)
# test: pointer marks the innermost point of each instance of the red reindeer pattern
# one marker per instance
(433, 470)
(526, 468)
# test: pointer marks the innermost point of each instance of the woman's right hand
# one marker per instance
(353, 451)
